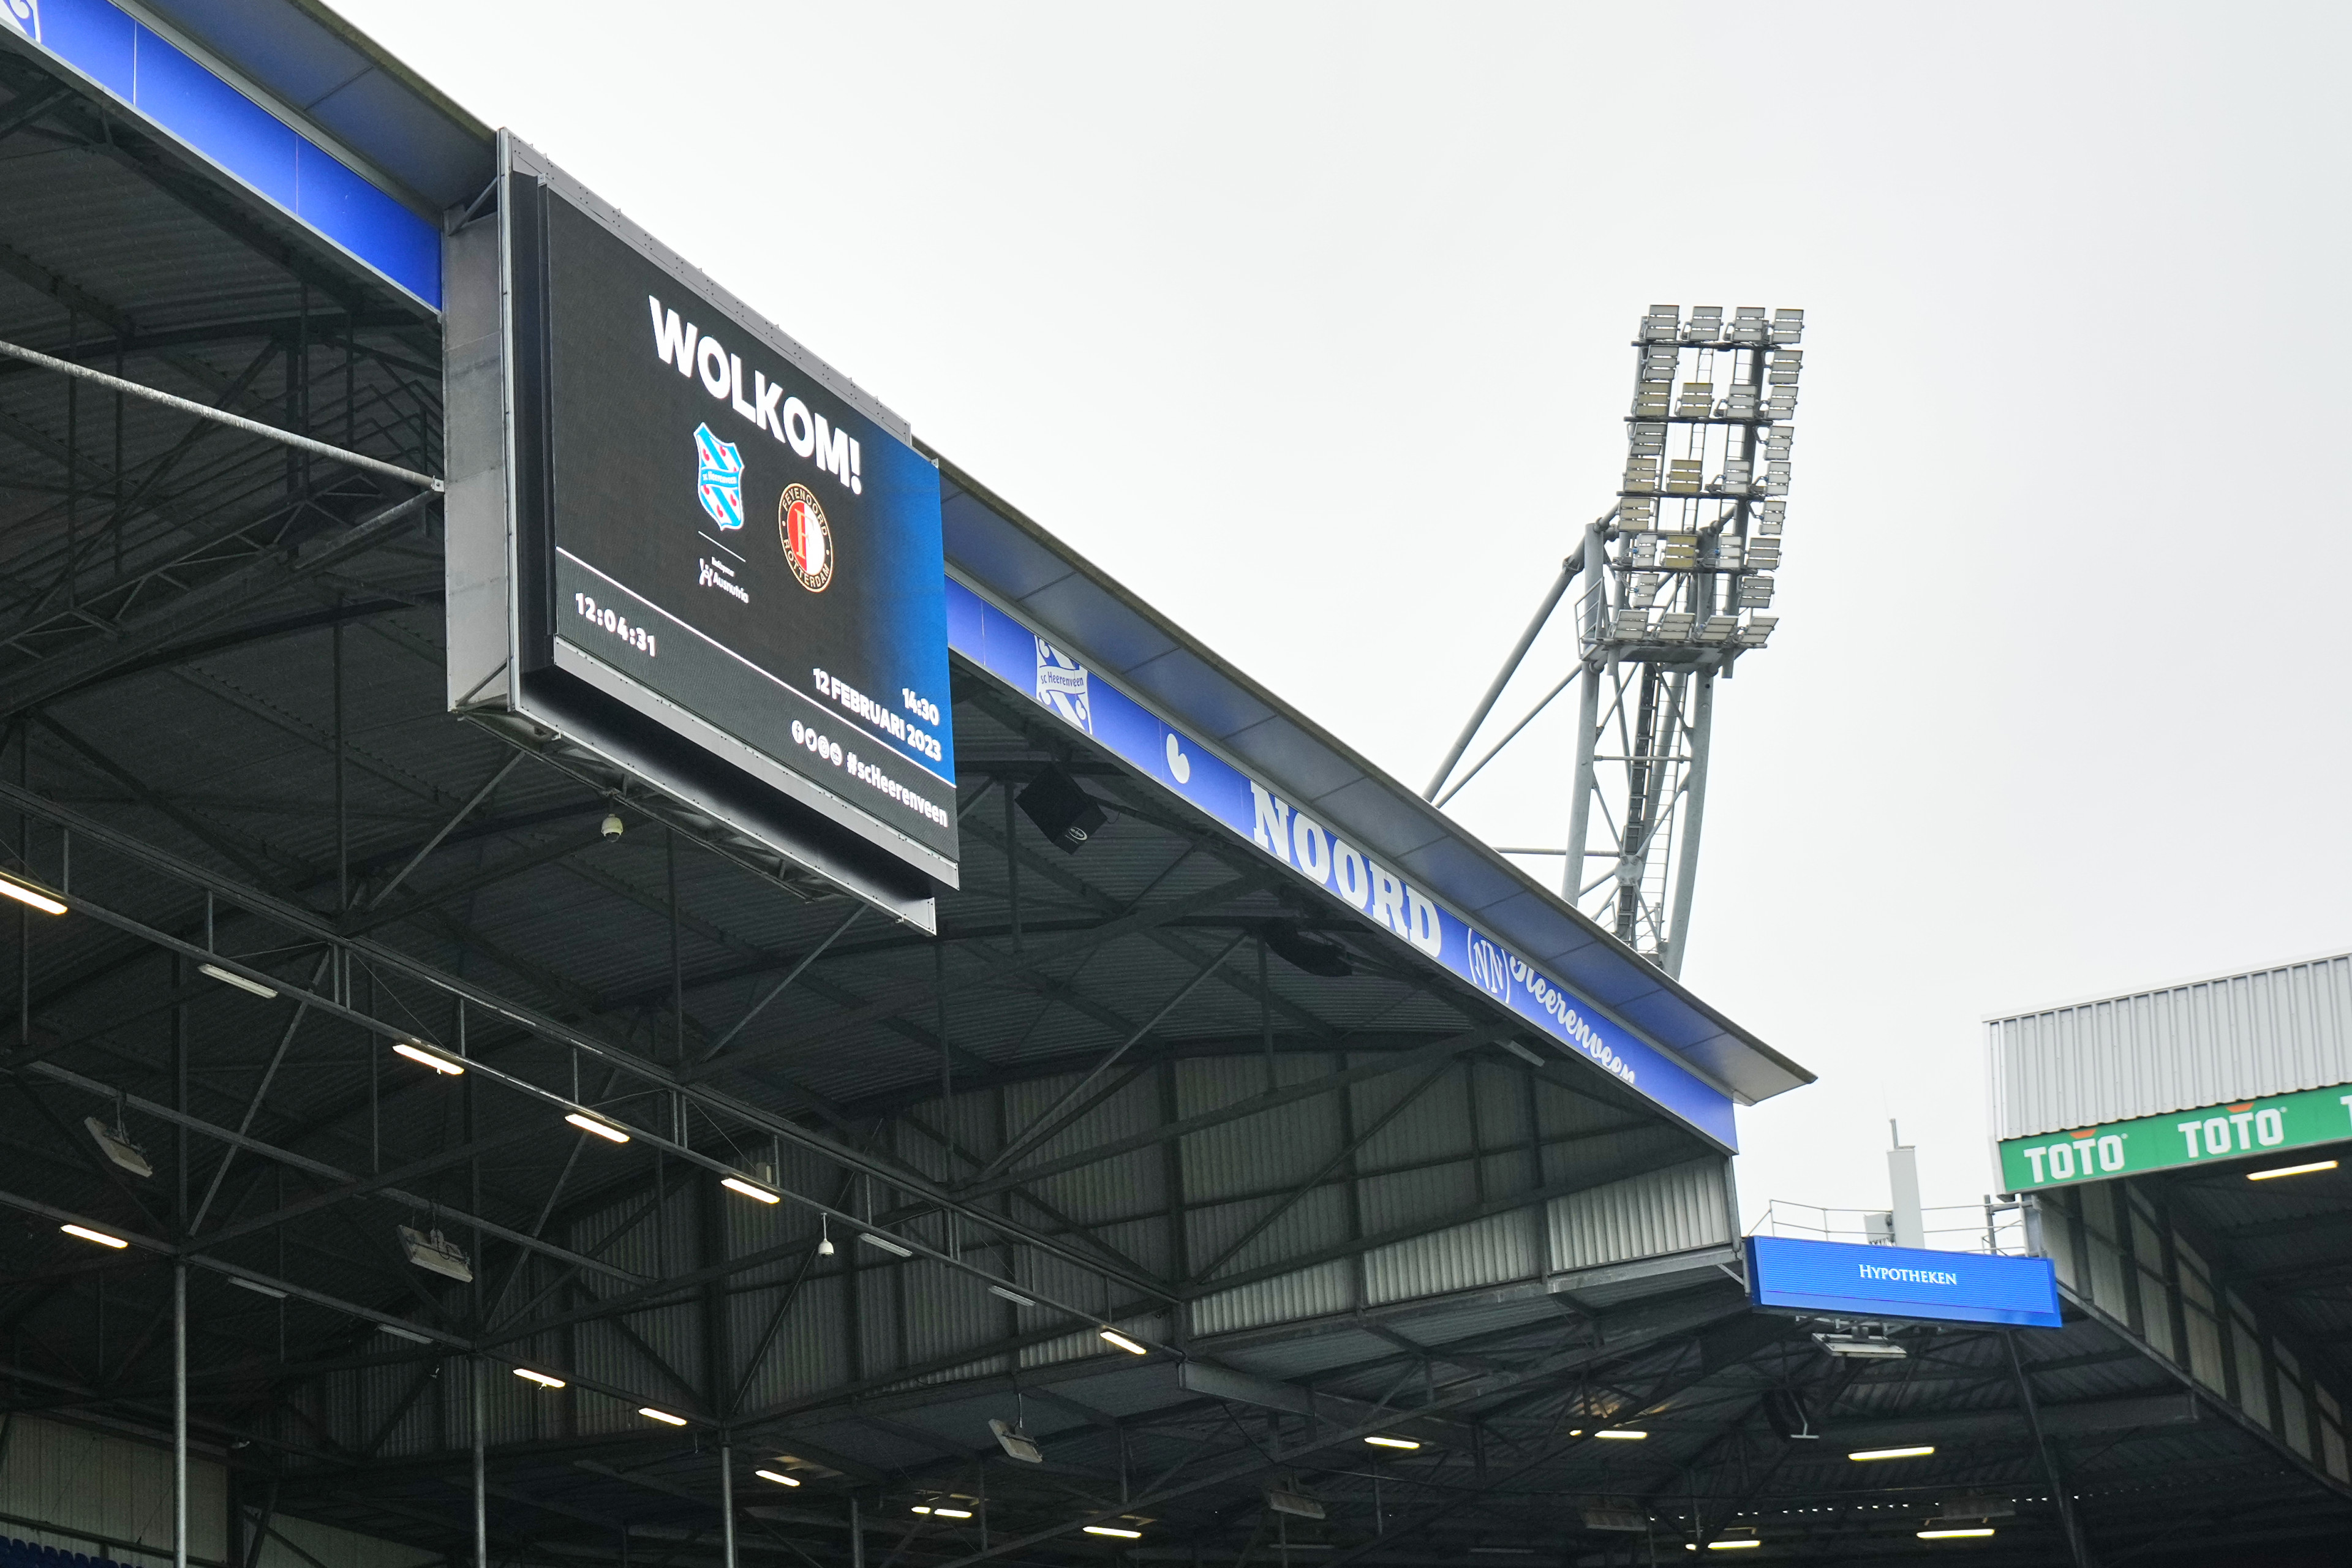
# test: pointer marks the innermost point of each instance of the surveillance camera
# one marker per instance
(612, 824)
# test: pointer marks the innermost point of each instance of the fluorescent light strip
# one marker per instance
(257, 1288)
(1015, 1297)
(230, 977)
(664, 1416)
(418, 1054)
(1392, 1442)
(1130, 1346)
(98, 1236)
(1920, 1451)
(1977, 1534)
(738, 1185)
(2278, 1171)
(952, 1513)
(603, 1129)
(777, 1477)
(1622, 1434)
(25, 895)
(870, 1239)
(409, 1334)
(539, 1378)
(1732, 1545)
(1112, 1530)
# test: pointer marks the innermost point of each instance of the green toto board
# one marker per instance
(2242, 1130)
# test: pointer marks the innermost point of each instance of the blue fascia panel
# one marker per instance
(92, 36)
(360, 218)
(1255, 811)
(215, 119)
(251, 143)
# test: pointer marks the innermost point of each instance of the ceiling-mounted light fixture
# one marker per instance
(885, 1243)
(1130, 1346)
(1113, 1530)
(1287, 1498)
(603, 1129)
(1016, 1443)
(257, 1287)
(231, 977)
(418, 1053)
(1405, 1443)
(823, 1235)
(1915, 1451)
(540, 1378)
(99, 1236)
(777, 1477)
(436, 1254)
(1015, 1297)
(756, 1192)
(1869, 1346)
(115, 1144)
(33, 896)
(2277, 1171)
(664, 1416)
(410, 1335)
(1622, 1434)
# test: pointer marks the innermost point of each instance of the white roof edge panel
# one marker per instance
(2214, 1039)
(1115, 617)
(349, 87)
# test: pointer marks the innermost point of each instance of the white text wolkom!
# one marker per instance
(788, 419)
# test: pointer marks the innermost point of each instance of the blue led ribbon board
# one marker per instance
(1845, 1279)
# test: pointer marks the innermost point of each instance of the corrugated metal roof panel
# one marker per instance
(2204, 1042)
(1673, 1210)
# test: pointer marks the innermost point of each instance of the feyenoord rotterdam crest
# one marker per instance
(808, 538)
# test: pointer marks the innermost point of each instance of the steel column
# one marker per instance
(1694, 807)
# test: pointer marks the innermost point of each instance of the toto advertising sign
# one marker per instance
(2261, 1126)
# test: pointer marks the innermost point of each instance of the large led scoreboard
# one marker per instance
(680, 540)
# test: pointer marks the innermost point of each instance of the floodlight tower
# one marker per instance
(1675, 576)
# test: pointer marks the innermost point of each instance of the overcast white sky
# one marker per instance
(1309, 323)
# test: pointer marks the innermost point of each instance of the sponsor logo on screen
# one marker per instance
(718, 478)
(808, 538)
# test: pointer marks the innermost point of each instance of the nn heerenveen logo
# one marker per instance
(718, 478)
(807, 537)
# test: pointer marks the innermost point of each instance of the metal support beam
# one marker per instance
(1568, 571)
(221, 415)
(2078, 1550)
(1694, 809)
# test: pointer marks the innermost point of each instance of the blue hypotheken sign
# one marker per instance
(1254, 809)
(1847, 1280)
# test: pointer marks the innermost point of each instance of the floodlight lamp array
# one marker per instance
(1704, 497)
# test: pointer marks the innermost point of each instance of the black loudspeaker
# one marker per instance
(1063, 812)
(1300, 950)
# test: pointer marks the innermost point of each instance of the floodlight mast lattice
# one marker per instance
(1675, 576)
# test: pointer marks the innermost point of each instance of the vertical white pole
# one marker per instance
(727, 1499)
(179, 1415)
(1903, 1179)
(481, 1509)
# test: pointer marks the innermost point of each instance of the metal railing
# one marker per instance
(1999, 1224)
